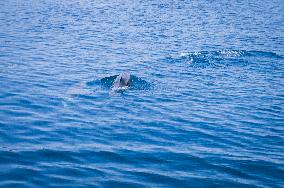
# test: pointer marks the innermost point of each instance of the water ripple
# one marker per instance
(205, 108)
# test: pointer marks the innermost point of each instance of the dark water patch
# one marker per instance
(155, 179)
(15, 183)
(122, 183)
(263, 54)
(17, 172)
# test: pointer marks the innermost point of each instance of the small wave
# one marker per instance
(230, 53)
(204, 59)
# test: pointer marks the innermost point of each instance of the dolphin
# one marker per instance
(121, 82)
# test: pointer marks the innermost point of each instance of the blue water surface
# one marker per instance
(206, 107)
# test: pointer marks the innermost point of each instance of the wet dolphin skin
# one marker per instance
(122, 80)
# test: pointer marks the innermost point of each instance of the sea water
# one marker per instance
(205, 108)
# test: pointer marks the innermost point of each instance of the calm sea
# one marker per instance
(206, 107)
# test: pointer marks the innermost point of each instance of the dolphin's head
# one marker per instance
(122, 81)
(125, 79)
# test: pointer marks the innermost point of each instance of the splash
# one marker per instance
(106, 83)
(221, 58)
